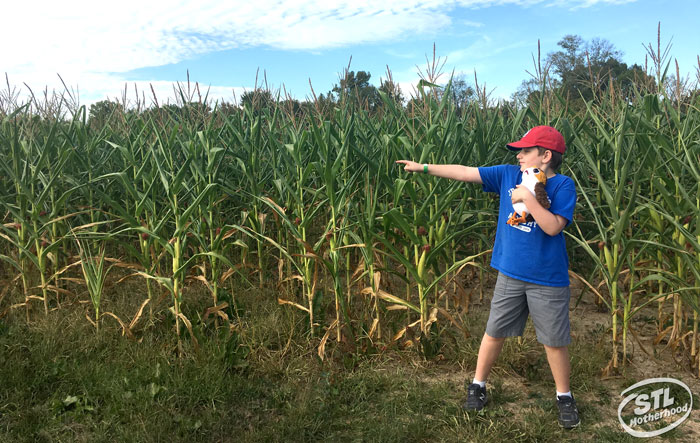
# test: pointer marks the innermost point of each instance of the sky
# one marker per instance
(112, 50)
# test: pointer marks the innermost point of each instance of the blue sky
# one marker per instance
(100, 49)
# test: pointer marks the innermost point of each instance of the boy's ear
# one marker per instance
(547, 156)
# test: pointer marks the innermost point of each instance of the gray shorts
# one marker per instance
(514, 299)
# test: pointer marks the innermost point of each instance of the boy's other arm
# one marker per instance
(468, 174)
(551, 224)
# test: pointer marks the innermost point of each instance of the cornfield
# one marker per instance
(310, 203)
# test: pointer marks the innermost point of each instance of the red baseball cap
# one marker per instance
(544, 136)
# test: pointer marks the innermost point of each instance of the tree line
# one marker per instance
(579, 71)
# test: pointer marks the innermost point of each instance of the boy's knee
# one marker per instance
(555, 348)
(493, 339)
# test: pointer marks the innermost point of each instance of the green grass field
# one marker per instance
(63, 381)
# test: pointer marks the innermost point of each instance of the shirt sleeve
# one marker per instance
(564, 200)
(492, 177)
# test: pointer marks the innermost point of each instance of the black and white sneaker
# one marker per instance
(568, 414)
(476, 398)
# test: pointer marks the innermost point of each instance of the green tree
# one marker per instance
(527, 92)
(356, 87)
(104, 112)
(322, 105)
(582, 71)
(585, 69)
(392, 90)
(227, 109)
(569, 57)
(258, 99)
(461, 93)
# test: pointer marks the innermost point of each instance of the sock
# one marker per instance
(480, 383)
(562, 394)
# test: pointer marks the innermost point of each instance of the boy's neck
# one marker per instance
(548, 172)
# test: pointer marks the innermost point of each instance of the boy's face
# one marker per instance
(531, 158)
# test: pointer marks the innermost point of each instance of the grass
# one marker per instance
(63, 381)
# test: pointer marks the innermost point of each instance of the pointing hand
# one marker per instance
(410, 166)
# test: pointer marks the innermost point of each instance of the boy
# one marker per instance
(531, 259)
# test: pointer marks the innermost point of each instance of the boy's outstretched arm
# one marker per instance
(551, 224)
(455, 172)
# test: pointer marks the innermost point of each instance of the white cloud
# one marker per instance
(482, 48)
(578, 4)
(91, 44)
(472, 24)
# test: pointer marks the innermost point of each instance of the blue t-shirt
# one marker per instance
(526, 252)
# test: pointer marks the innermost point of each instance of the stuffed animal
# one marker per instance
(533, 179)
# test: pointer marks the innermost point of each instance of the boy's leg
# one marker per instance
(489, 350)
(559, 363)
(507, 318)
(549, 309)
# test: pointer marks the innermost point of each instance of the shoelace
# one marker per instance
(568, 404)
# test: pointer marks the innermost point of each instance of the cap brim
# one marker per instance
(516, 146)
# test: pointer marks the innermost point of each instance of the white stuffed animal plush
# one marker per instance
(533, 179)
